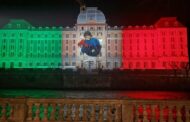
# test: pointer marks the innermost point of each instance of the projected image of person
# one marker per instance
(90, 45)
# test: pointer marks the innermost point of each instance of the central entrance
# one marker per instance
(90, 63)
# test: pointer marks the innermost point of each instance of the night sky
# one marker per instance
(117, 12)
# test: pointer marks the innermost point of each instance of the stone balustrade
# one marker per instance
(93, 110)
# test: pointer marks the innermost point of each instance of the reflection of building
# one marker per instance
(25, 46)
(162, 46)
(93, 20)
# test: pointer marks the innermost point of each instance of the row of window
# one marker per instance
(116, 48)
(67, 41)
(12, 54)
(115, 55)
(91, 28)
(141, 64)
(116, 41)
(138, 54)
(133, 34)
(67, 48)
(70, 35)
(115, 64)
(113, 35)
(34, 35)
(31, 64)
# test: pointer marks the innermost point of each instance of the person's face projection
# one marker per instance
(87, 37)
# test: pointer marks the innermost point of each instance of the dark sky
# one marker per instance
(117, 12)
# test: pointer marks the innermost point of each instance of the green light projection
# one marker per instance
(25, 46)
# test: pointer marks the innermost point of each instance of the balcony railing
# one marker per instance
(93, 110)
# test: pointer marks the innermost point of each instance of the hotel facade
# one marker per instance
(162, 45)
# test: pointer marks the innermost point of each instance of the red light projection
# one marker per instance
(159, 46)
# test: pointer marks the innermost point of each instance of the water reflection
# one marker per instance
(158, 95)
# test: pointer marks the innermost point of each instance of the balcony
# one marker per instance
(128, 107)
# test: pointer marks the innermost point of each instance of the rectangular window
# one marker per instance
(108, 41)
(115, 47)
(116, 54)
(116, 64)
(66, 63)
(66, 55)
(109, 54)
(116, 35)
(108, 47)
(115, 41)
(73, 63)
(67, 35)
(153, 64)
(20, 64)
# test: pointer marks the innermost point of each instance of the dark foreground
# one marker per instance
(166, 80)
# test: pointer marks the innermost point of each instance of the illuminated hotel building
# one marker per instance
(25, 46)
(93, 20)
(159, 46)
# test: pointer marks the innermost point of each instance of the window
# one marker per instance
(173, 53)
(145, 54)
(73, 63)
(109, 54)
(115, 47)
(145, 64)
(67, 35)
(182, 54)
(66, 47)
(115, 41)
(181, 46)
(116, 54)
(74, 54)
(130, 65)
(3, 64)
(73, 47)
(21, 34)
(52, 64)
(164, 64)
(153, 64)
(137, 64)
(172, 39)
(108, 47)
(74, 41)
(66, 55)
(116, 35)
(20, 64)
(67, 42)
(91, 28)
(11, 65)
(37, 64)
(116, 64)
(3, 54)
(66, 63)
(59, 64)
(74, 35)
(108, 41)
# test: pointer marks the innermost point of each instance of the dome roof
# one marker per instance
(91, 14)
